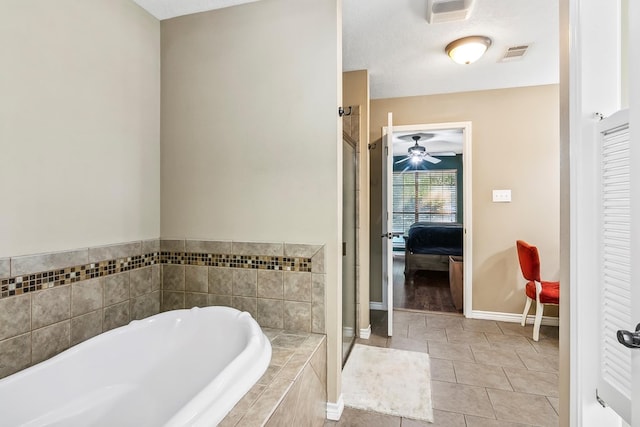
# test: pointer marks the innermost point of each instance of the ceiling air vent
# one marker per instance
(448, 10)
(514, 53)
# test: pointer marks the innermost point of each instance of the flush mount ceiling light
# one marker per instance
(468, 49)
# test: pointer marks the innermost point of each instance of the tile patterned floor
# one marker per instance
(483, 373)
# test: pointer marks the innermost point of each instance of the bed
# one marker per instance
(428, 246)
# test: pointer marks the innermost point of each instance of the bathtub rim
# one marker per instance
(209, 414)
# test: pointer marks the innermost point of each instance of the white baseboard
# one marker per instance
(365, 333)
(334, 410)
(510, 317)
(377, 306)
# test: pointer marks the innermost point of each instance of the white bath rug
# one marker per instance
(389, 381)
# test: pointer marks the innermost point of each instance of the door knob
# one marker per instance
(629, 339)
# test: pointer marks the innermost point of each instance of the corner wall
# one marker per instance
(79, 124)
(515, 145)
(251, 138)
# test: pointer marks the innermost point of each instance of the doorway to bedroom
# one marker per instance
(428, 197)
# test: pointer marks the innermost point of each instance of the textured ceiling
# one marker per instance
(405, 54)
(165, 9)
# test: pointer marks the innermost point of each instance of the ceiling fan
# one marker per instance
(418, 153)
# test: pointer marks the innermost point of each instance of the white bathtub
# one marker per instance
(179, 368)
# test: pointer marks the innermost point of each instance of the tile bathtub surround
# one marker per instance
(293, 389)
(51, 301)
(280, 285)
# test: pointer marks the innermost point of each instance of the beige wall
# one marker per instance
(355, 91)
(515, 145)
(79, 124)
(251, 138)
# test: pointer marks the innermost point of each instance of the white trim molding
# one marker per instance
(511, 317)
(365, 333)
(334, 410)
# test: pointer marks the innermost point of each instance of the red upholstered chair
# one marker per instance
(536, 290)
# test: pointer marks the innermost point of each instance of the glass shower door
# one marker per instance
(348, 246)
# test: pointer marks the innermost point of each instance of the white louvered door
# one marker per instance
(615, 264)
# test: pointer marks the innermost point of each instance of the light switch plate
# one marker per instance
(501, 196)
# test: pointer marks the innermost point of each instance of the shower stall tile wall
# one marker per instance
(49, 302)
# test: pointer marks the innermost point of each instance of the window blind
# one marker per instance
(424, 196)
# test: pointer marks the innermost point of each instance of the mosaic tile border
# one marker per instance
(19, 285)
(260, 262)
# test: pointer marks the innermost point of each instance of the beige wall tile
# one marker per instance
(300, 251)
(318, 323)
(309, 408)
(173, 277)
(193, 299)
(156, 277)
(280, 356)
(220, 300)
(86, 296)
(172, 300)
(270, 313)
(242, 406)
(86, 326)
(145, 305)
(5, 268)
(16, 354)
(285, 413)
(220, 281)
(297, 286)
(319, 362)
(122, 250)
(150, 246)
(196, 278)
(141, 281)
(245, 282)
(270, 284)
(15, 316)
(208, 246)
(297, 316)
(318, 287)
(247, 304)
(50, 306)
(317, 262)
(44, 262)
(251, 248)
(291, 370)
(172, 245)
(49, 341)
(116, 288)
(116, 316)
(264, 405)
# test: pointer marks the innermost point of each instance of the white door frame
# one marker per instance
(467, 199)
(590, 84)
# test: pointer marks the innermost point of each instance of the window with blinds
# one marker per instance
(423, 196)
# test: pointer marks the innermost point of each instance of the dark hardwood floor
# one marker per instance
(422, 290)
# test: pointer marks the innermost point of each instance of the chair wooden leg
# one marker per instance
(536, 323)
(527, 306)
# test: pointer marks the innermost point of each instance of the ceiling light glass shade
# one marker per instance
(468, 49)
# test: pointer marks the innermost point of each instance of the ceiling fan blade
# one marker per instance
(431, 159)
(444, 153)
(403, 160)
